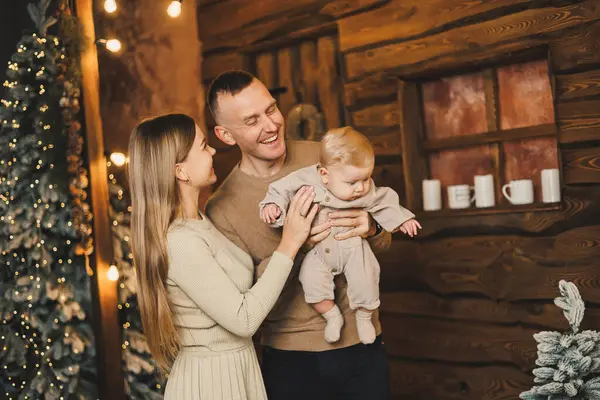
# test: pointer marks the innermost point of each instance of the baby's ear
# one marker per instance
(324, 173)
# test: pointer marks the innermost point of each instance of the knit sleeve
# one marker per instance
(193, 267)
(385, 208)
(280, 193)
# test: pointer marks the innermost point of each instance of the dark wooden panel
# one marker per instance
(455, 341)
(381, 115)
(579, 121)
(309, 71)
(386, 142)
(402, 19)
(389, 175)
(581, 166)
(542, 315)
(241, 23)
(574, 86)
(431, 381)
(329, 82)
(507, 268)
(373, 87)
(215, 64)
(515, 27)
(577, 47)
(266, 69)
(285, 67)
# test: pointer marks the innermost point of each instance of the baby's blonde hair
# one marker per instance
(346, 146)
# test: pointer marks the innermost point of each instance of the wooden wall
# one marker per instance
(460, 304)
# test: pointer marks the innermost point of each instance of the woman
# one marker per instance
(198, 305)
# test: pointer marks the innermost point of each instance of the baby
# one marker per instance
(342, 180)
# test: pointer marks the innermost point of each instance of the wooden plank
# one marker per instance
(403, 19)
(385, 142)
(575, 86)
(579, 121)
(380, 116)
(342, 8)
(411, 134)
(329, 82)
(389, 175)
(288, 99)
(510, 28)
(455, 341)
(309, 71)
(215, 64)
(491, 137)
(265, 69)
(371, 89)
(414, 380)
(237, 24)
(509, 268)
(576, 48)
(581, 166)
(493, 123)
(107, 331)
(543, 315)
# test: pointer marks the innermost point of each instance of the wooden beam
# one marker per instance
(579, 121)
(491, 137)
(575, 86)
(107, 329)
(330, 82)
(414, 162)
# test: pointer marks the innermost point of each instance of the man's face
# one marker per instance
(254, 121)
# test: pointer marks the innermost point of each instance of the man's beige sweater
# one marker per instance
(233, 209)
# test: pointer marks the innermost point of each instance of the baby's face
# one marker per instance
(347, 182)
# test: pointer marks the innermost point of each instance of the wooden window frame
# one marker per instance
(416, 148)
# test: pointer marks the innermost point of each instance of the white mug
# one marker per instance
(432, 195)
(550, 185)
(521, 191)
(459, 196)
(484, 191)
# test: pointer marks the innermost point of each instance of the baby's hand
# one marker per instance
(410, 227)
(270, 213)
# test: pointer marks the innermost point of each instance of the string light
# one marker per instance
(112, 45)
(174, 9)
(117, 158)
(110, 6)
(113, 273)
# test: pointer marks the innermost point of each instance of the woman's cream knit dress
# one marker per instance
(217, 312)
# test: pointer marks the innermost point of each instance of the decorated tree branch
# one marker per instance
(568, 363)
(46, 340)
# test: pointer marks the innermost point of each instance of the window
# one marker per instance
(497, 121)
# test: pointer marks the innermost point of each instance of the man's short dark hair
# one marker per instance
(228, 83)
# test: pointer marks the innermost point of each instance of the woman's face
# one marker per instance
(198, 165)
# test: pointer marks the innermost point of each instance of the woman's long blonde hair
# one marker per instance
(155, 146)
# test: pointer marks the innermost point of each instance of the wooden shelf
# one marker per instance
(501, 209)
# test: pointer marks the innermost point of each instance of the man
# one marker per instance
(297, 362)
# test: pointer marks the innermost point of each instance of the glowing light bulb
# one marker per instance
(110, 6)
(113, 45)
(113, 273)
(174, 9)
(119, 159)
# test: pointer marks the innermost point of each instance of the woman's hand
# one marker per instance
(298, 221)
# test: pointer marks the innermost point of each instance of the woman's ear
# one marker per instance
(224, 135)
(180, 174)
(324, 175)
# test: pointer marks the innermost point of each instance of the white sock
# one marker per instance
(335, 321)
(366, 330)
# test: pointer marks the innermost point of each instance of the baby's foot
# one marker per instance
(366, 330)
(335, 321)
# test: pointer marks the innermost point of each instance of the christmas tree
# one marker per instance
(142, 377)
(46, 340)
(569, 363)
